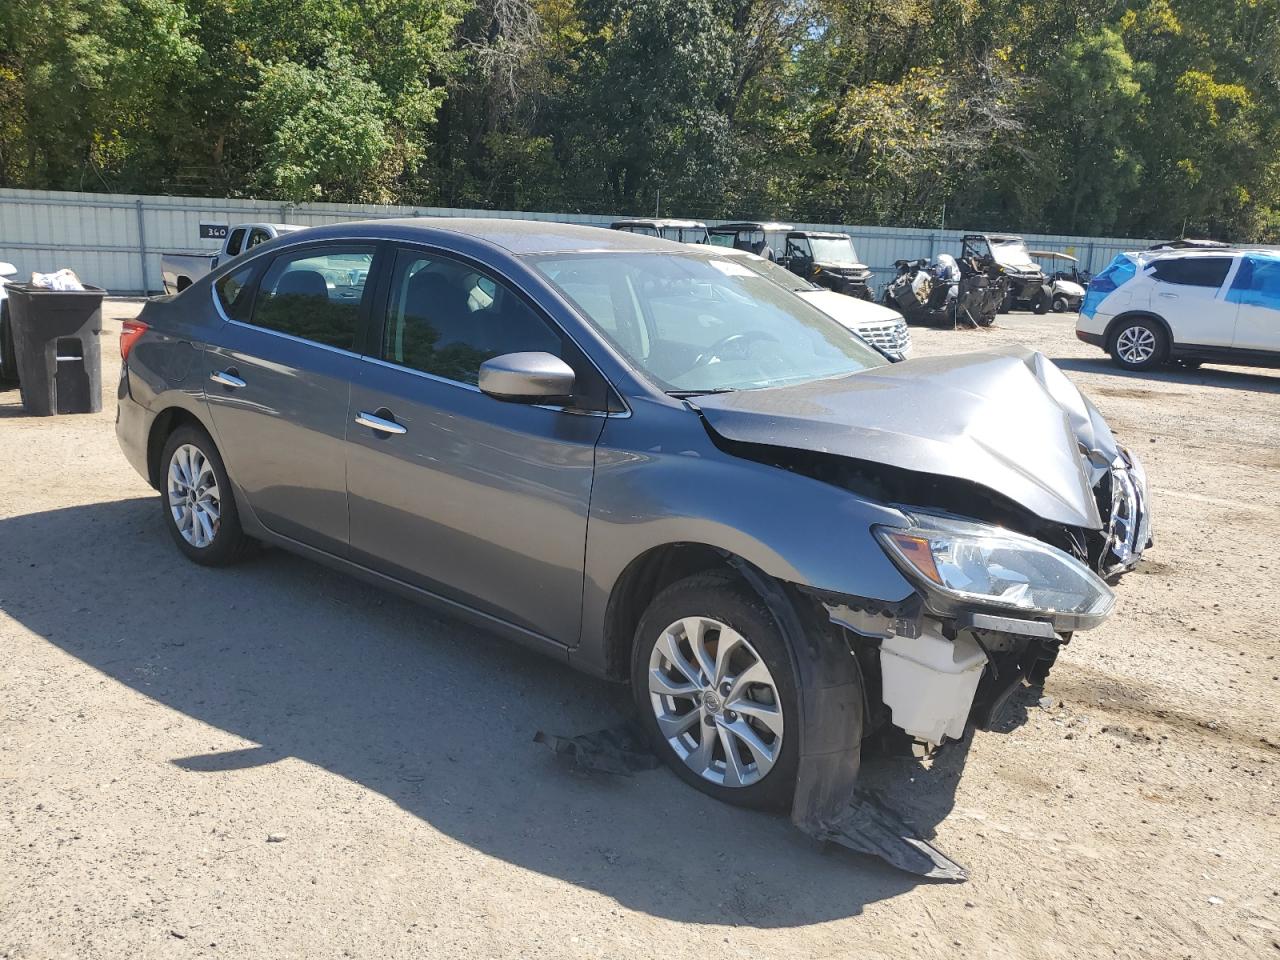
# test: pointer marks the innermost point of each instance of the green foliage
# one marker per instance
(1129, 117)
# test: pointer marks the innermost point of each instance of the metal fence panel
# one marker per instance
(116, 241)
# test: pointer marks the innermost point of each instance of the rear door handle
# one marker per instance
(374, 422)
(1169, 296)
(227, 378)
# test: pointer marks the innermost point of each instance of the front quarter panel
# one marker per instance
(660, 480)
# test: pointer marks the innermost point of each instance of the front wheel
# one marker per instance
(1060, 305)
(1139, 344)
(715, 686)
(199, 506)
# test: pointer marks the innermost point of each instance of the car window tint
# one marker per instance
(1193, 271)
(236, 239)
(232, 292)
(446, 318)
(1257, 282)
(257, 236)
(315, 294)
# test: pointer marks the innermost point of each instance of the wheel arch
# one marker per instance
(165, 423)
(1113, 328)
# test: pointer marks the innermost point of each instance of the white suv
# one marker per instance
(1188, 306)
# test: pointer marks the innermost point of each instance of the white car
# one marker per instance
(880, 326)
(1189, 306)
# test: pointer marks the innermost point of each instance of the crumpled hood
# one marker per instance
(1006, 418)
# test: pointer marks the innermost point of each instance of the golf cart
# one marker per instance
(751, 236)
(829, 260)
(681, 231)
(1010, 255)
(1063, 289)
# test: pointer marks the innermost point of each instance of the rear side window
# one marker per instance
(1257, 282)
(315, 294)
(1193, 271)
(233, 292)
(235, 241)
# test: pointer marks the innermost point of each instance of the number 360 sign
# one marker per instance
(213, 231)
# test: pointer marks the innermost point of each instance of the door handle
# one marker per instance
(1169, 296)
(227, 378)
(374, 422)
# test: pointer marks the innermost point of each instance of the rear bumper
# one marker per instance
(133, 426)
(1095, 339)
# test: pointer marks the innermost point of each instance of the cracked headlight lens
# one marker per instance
(956, 560)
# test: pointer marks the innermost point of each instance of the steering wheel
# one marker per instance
(740, 340)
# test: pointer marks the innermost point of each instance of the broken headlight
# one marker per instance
(960, 564)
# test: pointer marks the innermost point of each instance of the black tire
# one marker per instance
(229, 542)
(724, 598)
(1132, 331)
(1041, 306)
(1060, 304)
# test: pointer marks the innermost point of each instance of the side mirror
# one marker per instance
(527, 378)
(7, 269)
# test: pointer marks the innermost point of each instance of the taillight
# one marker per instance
(130, 331)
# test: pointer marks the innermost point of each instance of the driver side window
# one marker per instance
(446, 318)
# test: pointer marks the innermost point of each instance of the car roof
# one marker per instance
(519, 237)
(655, 222)
(768, 226)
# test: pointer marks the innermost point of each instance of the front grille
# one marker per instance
(892, 336)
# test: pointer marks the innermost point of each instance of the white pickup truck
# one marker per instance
(179, 270)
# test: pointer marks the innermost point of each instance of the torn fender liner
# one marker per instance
(621, 750)
(868, 826)
(863, 825)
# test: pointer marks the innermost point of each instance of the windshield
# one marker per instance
(699, 324)
(831, 250)
(779, 275)
(686, 234)
(721, 239)
(1012, 252)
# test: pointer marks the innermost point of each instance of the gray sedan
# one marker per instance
(651, 463)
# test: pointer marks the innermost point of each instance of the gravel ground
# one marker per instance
(276, 761)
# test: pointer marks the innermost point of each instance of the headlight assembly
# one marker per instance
(960, 564)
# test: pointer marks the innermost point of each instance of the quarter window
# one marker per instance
(446, 318)
(232, 292)
(1193, 271)
(315, 295)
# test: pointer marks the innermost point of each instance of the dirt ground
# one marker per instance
(276, 761)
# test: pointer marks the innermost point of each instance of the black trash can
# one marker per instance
(56, 344)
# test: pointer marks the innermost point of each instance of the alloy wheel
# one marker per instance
(715, 702)
(1136, 345)
(194, 498)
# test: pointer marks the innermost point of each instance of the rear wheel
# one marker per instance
(1139, 344)
(199, 507)
(714, 683)
(1060, 305)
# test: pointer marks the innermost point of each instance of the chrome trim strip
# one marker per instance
(289, 336)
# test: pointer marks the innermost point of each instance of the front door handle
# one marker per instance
(374, 422)
(227, 378)
(1169, 296)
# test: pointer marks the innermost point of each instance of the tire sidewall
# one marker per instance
(1158, 355)
(729, 601)
(226, 541)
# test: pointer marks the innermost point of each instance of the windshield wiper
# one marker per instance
(685, 394)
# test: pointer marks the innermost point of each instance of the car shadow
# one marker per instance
(433, 714)
(1228, 378)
